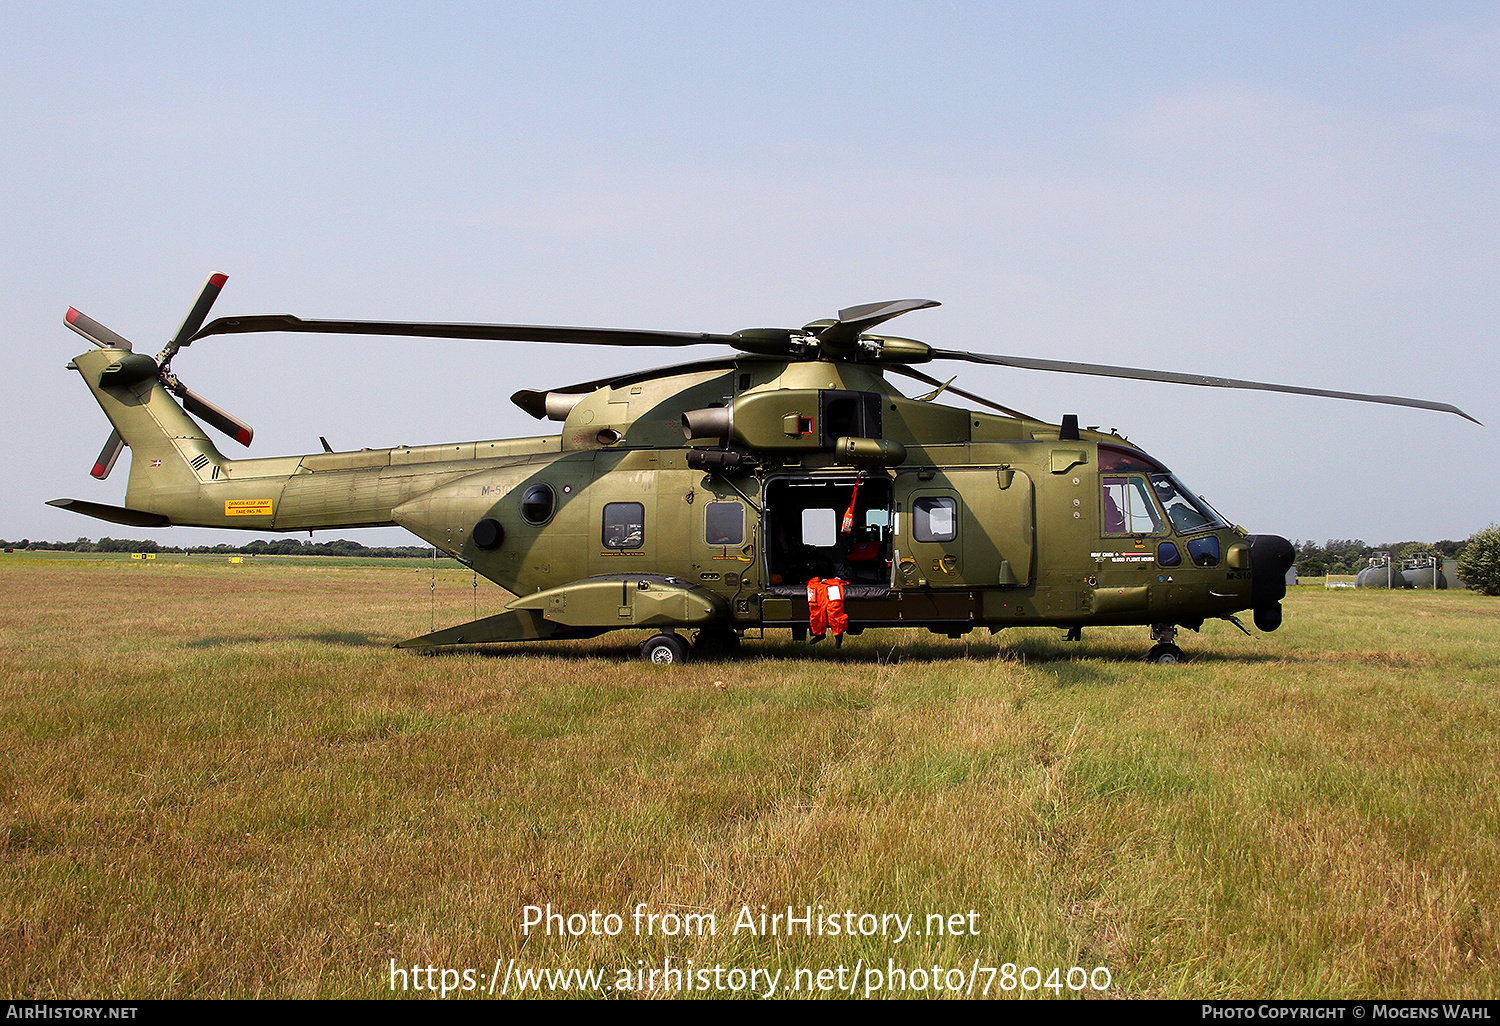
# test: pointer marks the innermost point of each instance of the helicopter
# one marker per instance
(787, 485)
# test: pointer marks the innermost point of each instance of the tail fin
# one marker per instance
(170, 455)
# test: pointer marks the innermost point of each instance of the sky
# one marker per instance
(1288, 192)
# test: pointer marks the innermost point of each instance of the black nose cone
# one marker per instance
(1271, 556)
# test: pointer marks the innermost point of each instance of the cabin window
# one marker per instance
(934, 519)
(624, 525)
(724, 523)
(820, 528)
(537, 505)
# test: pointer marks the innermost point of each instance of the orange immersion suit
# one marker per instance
(825, 607)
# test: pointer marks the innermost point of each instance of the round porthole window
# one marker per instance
(537, 505)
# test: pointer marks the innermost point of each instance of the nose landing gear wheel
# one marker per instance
(664, 649)
(1165, 654)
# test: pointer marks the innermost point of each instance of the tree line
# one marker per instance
(1351, 555)
(1478, 557)
(259, 547)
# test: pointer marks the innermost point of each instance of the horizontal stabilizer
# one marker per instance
(114, 514)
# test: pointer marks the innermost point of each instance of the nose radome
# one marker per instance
(1271, 556)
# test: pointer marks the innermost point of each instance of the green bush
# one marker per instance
(1479, 565)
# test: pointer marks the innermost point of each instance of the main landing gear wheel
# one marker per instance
(664, 649)
(1165, 654)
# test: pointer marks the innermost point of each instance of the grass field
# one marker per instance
(222, 781)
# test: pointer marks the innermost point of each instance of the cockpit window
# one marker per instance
(1122, 461)
(1184, 509)
(1128, 508)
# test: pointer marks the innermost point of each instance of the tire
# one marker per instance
(664, 650)
(1166, 654)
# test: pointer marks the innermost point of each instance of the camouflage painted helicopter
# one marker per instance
(705, 497)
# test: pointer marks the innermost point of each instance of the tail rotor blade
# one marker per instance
(107, 456)
(199, 313)
(215, 417)
(195, 317)
(94, 331)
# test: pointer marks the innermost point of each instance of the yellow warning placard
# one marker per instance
(247, 507)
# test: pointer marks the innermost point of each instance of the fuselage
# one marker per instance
(935, 515)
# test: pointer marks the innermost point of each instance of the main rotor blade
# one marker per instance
(94, 331)
(1105, 370)
(195, 317)
(487, 332)
(929, 379)
(856, 320)
(107, 456)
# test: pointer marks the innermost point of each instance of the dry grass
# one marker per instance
(222, 781)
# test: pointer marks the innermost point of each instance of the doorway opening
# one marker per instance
(806, 535)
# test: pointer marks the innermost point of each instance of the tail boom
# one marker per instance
(178, 477)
